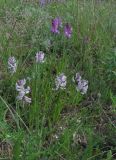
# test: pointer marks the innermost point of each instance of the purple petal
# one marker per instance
(56, 23)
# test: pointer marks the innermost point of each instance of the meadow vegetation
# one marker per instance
(58, 87)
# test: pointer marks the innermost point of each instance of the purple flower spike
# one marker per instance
(42, 2)
(60, 81)
(20, 87)
(12, 64)
(81, 84)
(56, 23)
(40, 57)
(68, 30)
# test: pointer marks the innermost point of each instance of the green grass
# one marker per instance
(63, 124)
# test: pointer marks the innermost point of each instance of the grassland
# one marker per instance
(62, 124)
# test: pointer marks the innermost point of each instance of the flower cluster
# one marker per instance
(20, 87)
(12, 65)
(57, 23)
(61, 81)
(82, 85)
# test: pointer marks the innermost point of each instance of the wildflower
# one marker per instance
(61, 81)
(56, 23)
(82, 85)
(20, 87)
(12, 65)
(40, 57)
(21, 95)
(42, 2)
(77, 78)
(68, 30)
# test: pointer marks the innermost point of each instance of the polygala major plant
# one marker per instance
(57, 76)
(20, 87)
(56, 23)
(81, 84)
(12, 65)
(40, 57)
(60, 81)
